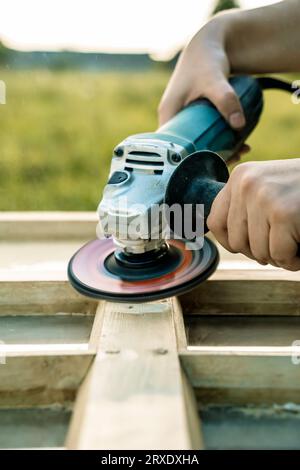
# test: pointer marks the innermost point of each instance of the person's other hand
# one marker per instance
(202, 71)
(257, 213)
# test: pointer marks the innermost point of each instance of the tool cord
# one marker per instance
(268, 83)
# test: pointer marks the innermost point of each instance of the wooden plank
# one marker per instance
(41, 427)
(34, 371)
(24, 226)
(42, 297)
(32, 330)
(97, 327)
(193, 419)
(180, 329)
(241, 331)
(38, 246)
(36, 260)
(242, 292)
(134, 396)
(235, 374)
(40, 378)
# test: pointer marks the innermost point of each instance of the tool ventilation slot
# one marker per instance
(144, 161)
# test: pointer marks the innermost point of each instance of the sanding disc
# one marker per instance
(94, 272)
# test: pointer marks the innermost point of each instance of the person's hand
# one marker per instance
(202, 71)
(232, 42)
(257, 213)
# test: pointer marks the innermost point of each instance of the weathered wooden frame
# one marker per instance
(137, 383)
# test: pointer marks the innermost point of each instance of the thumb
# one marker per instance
(223, 96)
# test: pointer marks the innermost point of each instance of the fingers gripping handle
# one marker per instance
(200, 125)
(198, 180)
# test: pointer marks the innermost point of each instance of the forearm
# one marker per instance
(264, 39)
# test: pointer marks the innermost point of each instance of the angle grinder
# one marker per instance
(181, 165)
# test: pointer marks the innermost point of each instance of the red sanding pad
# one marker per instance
(92, 272)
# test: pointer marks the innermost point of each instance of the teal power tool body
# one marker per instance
(182, 163)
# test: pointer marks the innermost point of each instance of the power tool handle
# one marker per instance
(209, 191)
(200, 126)
(197, 180)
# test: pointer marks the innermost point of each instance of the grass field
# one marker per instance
(57, 132)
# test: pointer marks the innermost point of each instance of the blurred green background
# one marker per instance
(58, 129)
(66, 110)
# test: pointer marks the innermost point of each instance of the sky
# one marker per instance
(159, 27)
